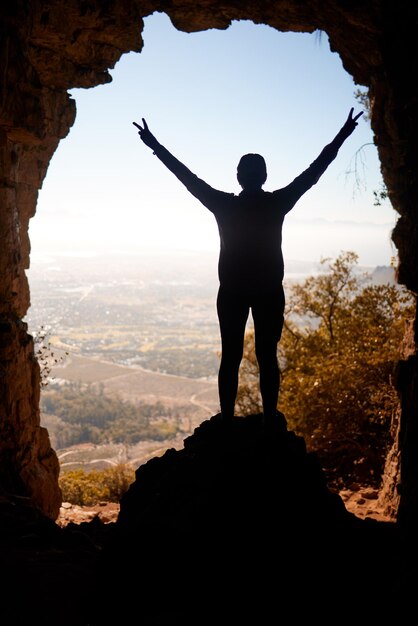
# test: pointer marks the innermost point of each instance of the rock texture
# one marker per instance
(47, 47)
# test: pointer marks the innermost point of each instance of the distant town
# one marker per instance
(158, 312)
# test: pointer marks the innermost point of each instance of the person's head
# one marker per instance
(252, 172)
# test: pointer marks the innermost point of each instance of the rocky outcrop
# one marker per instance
(237, 527)
(28, 465)
(240, 527)
(49, 47)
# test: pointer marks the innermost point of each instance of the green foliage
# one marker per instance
(89, 488)
(85, 414)
(338, 354)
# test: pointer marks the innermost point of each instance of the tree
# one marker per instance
(338, 354)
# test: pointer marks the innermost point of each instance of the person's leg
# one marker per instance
(267, 314)
(233, 314)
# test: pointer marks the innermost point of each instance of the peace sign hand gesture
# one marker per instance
(350, 123)
(146, 135)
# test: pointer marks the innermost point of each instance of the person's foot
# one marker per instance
(275, 422)
(223, 418)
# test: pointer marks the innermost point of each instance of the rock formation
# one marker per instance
(236, 527)
(240, 527)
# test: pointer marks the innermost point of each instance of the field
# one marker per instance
(92, 457)
(134, 384)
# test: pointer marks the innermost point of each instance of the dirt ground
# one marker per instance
(106, 511)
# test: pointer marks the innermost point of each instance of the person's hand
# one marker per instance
(146, 135)
(351, 122)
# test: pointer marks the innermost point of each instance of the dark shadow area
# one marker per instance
(236, 527)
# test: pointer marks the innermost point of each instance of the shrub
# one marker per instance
(89, 488)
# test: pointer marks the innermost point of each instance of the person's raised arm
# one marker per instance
(310, 176)
(201, 190)
(174, 165)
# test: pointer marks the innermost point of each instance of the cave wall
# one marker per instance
(50, 46)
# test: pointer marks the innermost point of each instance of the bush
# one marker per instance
(89, 488)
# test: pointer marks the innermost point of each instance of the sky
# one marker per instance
(210, 97)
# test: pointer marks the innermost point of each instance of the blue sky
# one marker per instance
(210, 97)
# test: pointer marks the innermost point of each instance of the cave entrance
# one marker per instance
(209, 97)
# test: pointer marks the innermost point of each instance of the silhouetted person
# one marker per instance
(250, 265)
